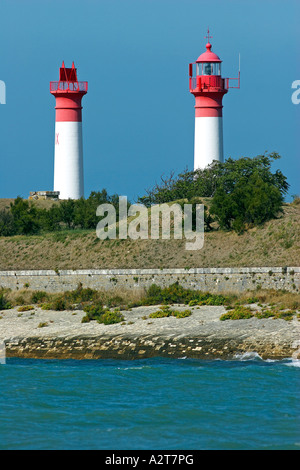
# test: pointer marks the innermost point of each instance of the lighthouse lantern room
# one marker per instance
(208, 87)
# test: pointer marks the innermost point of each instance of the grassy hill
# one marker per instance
(276, 243)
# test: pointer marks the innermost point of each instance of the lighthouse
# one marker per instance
(209, 88)
(68, 153)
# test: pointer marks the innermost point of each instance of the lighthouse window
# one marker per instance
(199, 69)
(211, 69)
(207, 69)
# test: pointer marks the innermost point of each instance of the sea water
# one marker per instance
(150, 404)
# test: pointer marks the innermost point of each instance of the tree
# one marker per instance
(251, 201)
(67, 213)
(232, 171)
(187, 185)
(243, 191)
(205, 182)
(25, 217)
(7, 226)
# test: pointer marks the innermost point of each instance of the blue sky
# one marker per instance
(138, 116)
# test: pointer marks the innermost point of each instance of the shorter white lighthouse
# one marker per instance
(209, 88)
(68, 155)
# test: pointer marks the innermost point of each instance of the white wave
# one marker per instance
(293, 362)
(133, 368)
(248, 356)
(252, 356)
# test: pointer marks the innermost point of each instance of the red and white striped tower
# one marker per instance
(68, 155)
(208, 87)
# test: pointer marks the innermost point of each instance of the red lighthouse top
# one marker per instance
(68, 92)
(208, 77)
(68, 82)
(208, 56)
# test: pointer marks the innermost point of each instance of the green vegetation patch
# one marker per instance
(101, 314)
(238, 313)
(241, 313)
(4, 303)
(25, 308)
(166, 311)
(176, 294)
(109, 318)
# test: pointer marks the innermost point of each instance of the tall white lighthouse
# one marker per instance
(68, 155)
(208, 87)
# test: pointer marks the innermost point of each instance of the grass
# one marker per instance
(271, 244)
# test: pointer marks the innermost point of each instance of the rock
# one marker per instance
(202, 335)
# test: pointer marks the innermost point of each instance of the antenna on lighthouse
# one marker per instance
(208, 36)
(239, 77)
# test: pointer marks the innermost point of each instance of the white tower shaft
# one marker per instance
(208, 144)
(68, 160)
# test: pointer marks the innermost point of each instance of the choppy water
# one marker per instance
(150, 404)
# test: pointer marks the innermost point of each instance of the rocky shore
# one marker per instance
(61, 335)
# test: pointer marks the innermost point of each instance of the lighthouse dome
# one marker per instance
(208, 55)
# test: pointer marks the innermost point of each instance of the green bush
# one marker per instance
(182, 313)
(265, 314)
(238, 313)
(176, 294)
(25, 308)
(287, 315)
(161, 313)
(4, 304)
(252, 300)
(82, 294)
(244, 191)
(46, 306)
(93, 312)
(114, 301)
(25, 218)
(166, 311)
(109, 318)
(39, 296)
(59, 305)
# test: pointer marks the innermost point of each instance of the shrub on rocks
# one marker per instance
(4, 304)
(101, 314)
(166, 311)
(110, 318)
(238, 313)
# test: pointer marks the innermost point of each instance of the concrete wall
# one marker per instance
(205, 279)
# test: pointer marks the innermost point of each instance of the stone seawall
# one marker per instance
(205, 279)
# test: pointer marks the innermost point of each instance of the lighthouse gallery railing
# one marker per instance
(69, 86)
(208, 81)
